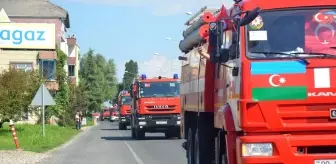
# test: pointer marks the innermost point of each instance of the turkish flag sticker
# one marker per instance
(278, 80)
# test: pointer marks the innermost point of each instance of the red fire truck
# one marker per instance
(124, 105)
(268, 92)
(156, 106)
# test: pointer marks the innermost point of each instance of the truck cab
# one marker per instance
(124, 106)
(105, 114)
(273, 94)
(156, 106)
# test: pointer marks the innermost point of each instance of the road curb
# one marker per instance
(74, 138)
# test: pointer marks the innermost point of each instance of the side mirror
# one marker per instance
(215, 34)
(249, 17)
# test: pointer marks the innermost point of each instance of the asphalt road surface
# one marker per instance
(106, 144)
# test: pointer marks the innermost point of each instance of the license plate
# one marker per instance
(161, 122)
(123, 119)
(333, 113)
(325, 161)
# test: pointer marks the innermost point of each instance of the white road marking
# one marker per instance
(135, 155)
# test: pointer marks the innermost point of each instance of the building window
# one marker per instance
(71, 70)
(27, 67)
(48, 69)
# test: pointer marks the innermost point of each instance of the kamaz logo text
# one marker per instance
(321, 94)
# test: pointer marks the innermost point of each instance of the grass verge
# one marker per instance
(30, 137)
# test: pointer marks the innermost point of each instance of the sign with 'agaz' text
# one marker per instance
(27, 35)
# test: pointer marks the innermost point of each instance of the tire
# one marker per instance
(133, 132)
(218, 155)
(139, 134)
(121, 126)
(168, 135)
(177, 134)
(220, 149)
(197, 149)
(190, 147)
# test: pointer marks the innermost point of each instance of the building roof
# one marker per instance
(34, 9)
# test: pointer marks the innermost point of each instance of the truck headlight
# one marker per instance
(257, 149)
(142, 123)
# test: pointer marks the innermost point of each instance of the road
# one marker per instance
(104, 143)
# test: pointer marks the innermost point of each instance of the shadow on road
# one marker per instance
(116, 138)
(129, 138)
(110, 129)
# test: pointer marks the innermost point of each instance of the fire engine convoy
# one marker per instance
(267, 94)
(156, 106)
(124, 105)
(105, 114)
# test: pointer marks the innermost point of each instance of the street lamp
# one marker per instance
(171, 39)
(131, 73)
(189, 13)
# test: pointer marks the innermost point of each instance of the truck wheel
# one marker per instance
(197, 149)
(190, 147)
(139, 134)
(133, 132)
(177, 134)
(121, 126)
(217, 151)
(124, 127)
(168, 135)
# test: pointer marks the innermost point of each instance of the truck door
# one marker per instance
(233, 77)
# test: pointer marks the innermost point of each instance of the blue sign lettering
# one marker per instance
(18, 36)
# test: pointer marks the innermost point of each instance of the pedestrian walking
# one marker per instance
(77, 120)
(80, 119)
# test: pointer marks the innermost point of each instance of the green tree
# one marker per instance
(98, 77)
(131, 71)
(62, 96)
(111, 80)
(17, 89)
(92, 84)
(120, 87)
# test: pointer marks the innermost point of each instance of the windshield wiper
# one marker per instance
(294, 55)
(322, 55)
(170, 96)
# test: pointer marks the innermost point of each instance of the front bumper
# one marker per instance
(158, 123)
(114, 118)
(289, 149)
(125, 120)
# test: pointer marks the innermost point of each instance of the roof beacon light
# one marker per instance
(175, 76)
(143, 76)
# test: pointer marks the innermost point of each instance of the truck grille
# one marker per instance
(160, 108)
(301, 116)
(307, 115)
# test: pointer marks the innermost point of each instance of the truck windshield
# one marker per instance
(126, 100)
(277, 34)
(160, 89)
